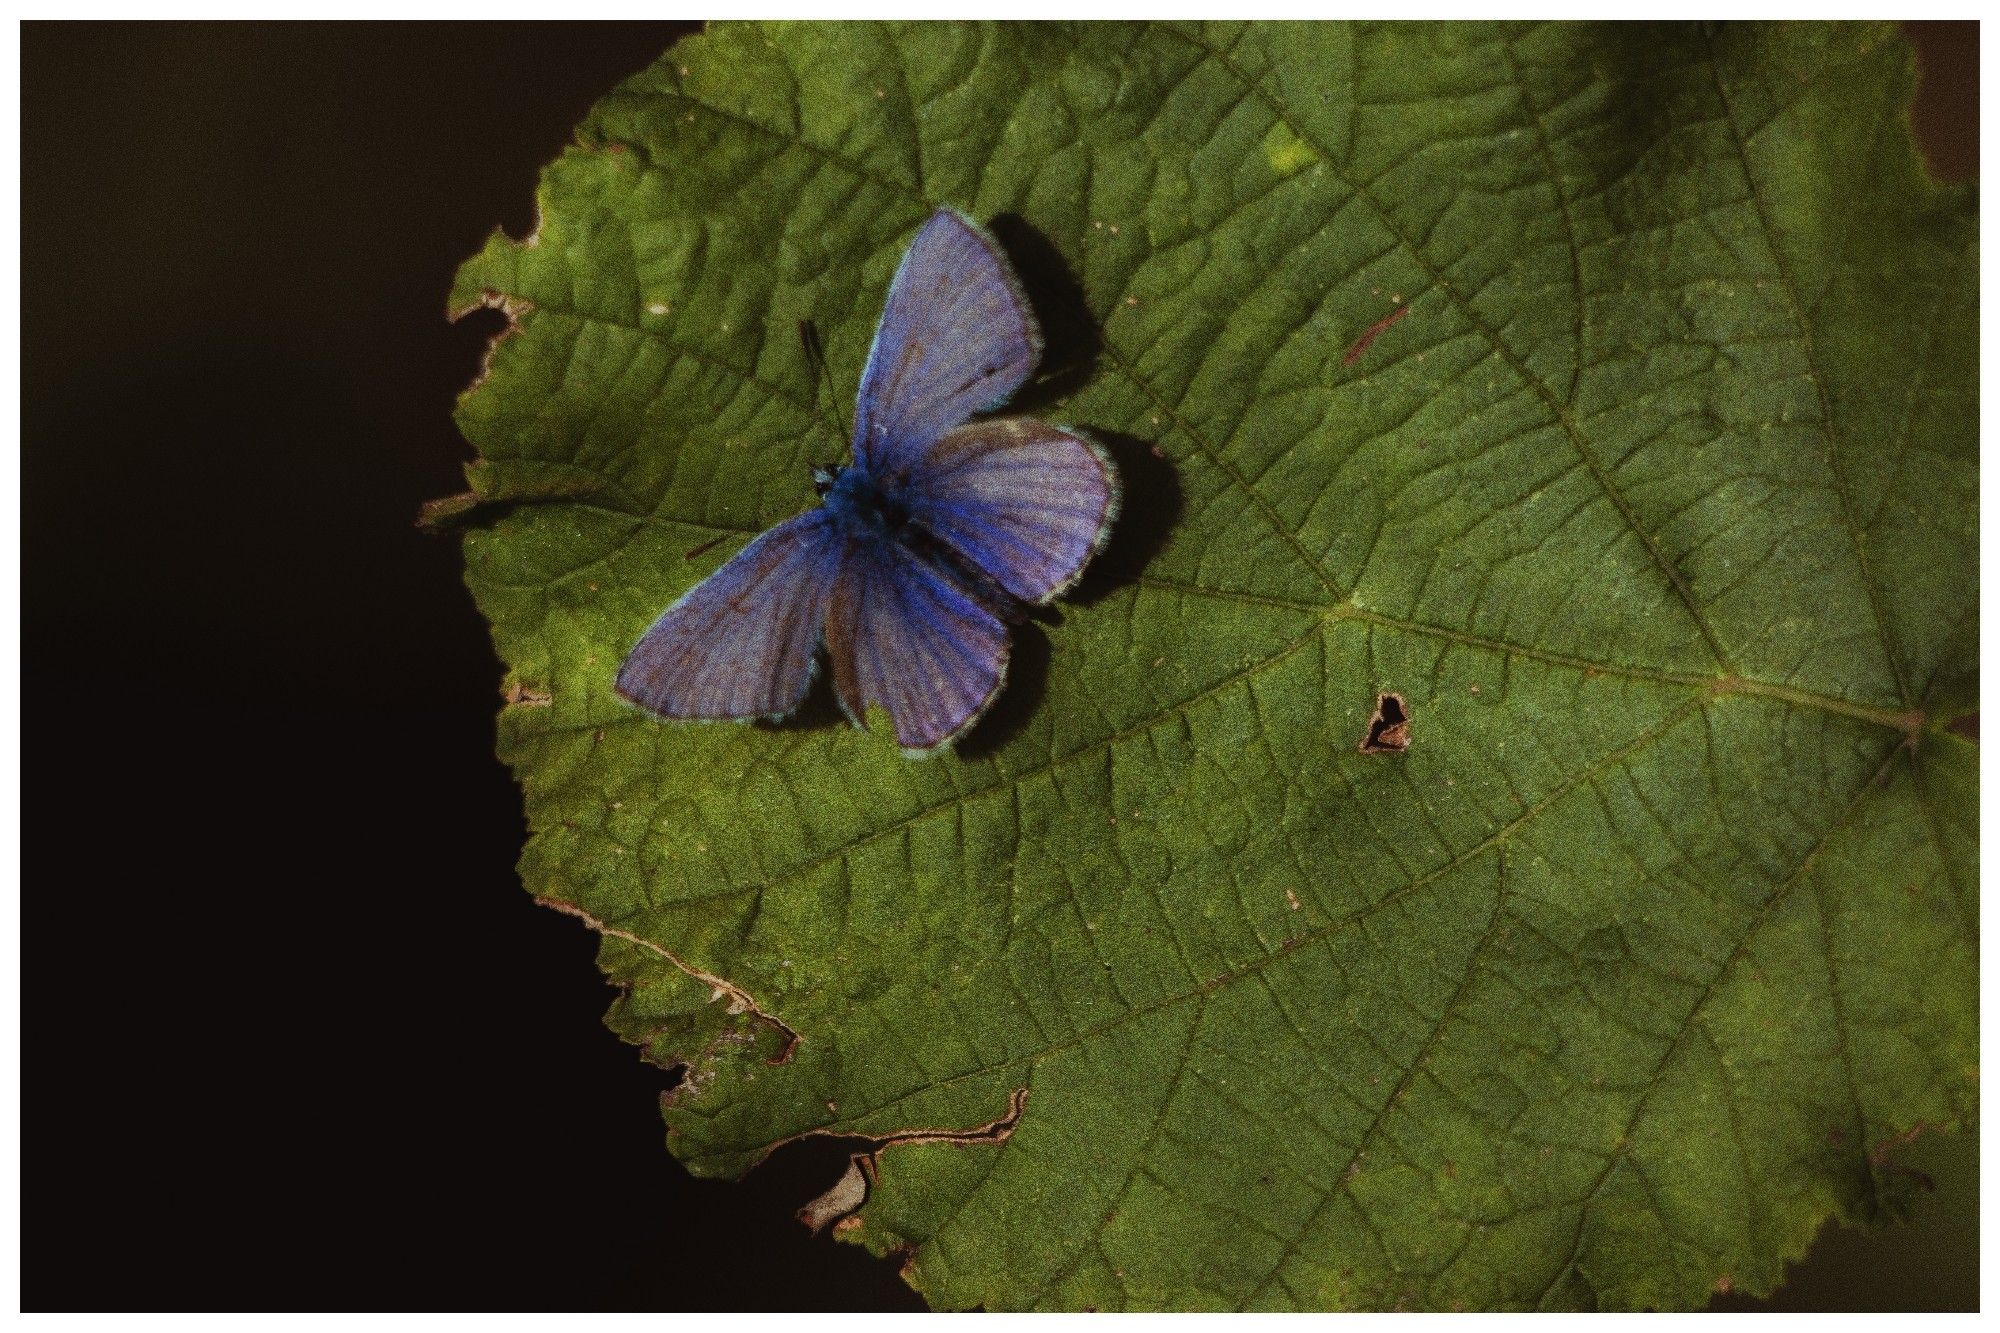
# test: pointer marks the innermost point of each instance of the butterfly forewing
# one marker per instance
(956, 338)
(903, 637)
(1026, 502)
(740, 644)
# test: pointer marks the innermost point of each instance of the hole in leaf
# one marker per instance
(1389, 730)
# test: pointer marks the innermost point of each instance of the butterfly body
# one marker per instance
(864, 507)
(923, 547)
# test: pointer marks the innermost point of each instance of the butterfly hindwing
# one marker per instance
(956, 337)
(740, 644)
(1026, 502)
(904, 637)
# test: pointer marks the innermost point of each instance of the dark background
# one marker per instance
(295, 1036)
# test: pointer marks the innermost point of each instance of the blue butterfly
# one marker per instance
(940, 530)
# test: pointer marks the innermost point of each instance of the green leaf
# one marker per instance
(1651, 496)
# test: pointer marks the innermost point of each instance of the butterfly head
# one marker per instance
(824, 475)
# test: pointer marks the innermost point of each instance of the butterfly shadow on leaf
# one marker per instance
(1070, 338)
(1151, 506)
(1027, 680)
(1072, 346)
(818, 711)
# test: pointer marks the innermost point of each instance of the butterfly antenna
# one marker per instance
(822, 372)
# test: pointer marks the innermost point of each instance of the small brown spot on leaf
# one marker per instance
(1389, 730)
(526, 696)
(1374, 331)
(1292, 899)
